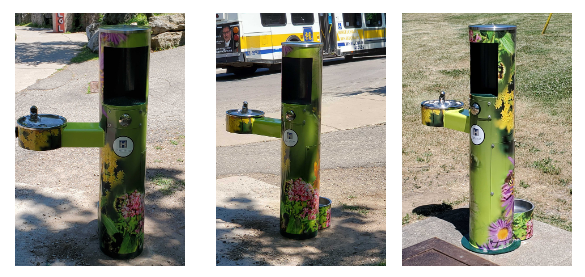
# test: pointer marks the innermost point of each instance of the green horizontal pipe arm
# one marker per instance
(457, 120)
(82, 134)
(266, 126)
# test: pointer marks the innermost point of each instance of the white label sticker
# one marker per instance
(477, 134)
(123, 146)
(290, 138)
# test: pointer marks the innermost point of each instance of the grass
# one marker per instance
(34, 25)
(554, 220)
(167, 185)
(359, 209)
(546, 166)
(84, 55)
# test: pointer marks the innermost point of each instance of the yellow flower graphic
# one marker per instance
(316, 168)
(36, 140)
(507, 121)
(109, 164)
(426, 115)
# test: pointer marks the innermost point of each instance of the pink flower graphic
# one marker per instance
(529, 229)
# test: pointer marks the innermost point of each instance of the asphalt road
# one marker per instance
(340, 79)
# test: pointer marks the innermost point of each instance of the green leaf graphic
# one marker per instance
(508, 43)
(110, 226)
(128, 245)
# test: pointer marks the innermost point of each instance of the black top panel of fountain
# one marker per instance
(125, 75)
(297, 80)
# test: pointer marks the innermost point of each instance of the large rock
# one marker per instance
(42, 19)
(167, 40)
(167, 23)
(116, 18)
(22, 18)
(92, 32)
(69, 20)
(87, 19)
(37, 19)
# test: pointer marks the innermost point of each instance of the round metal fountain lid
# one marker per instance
(302, 44)
(493, 27)
(245, 112)
(442, 104)
(41, 121)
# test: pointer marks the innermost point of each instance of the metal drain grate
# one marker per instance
(439, 252)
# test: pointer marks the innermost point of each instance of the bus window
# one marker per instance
(302, 18)
(373, 19)
(273, 19)
(352, 20)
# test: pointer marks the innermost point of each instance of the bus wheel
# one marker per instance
(293, 38)
(241, 71)
(348, 57)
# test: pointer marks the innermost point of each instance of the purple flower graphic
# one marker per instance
(113, 37)
(476, 38)
(508, 192)
(500, 231)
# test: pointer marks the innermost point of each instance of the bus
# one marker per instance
(247, 41)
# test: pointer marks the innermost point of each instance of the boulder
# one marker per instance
(22, 18)
(167, 23)
(37, 18)
(87, 19)
(92, 32)
(69, 19)
(167, 40)
(116, 18)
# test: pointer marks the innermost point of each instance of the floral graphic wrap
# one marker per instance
(324, 217)
(301, 207)
(491, 174)
(523, 225)
(432, 117)
(300, 142)
(508, 193)
(39, 140)
(124, 230)
(112, 38)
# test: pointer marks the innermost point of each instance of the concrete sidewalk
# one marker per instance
(549, 246)
(39, 53)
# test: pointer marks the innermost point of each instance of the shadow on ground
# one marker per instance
(458, 217)
(253, 238)
(55, 226)
(46, 52)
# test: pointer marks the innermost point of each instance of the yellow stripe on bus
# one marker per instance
(251, 42)
(378, 33)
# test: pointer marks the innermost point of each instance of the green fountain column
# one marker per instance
(124, 60)
(302, 64)
(491, 112)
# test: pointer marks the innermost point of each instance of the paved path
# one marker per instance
(549, 246)
(39, 53)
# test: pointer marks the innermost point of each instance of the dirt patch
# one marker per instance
(435, 166)
(357, 235)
